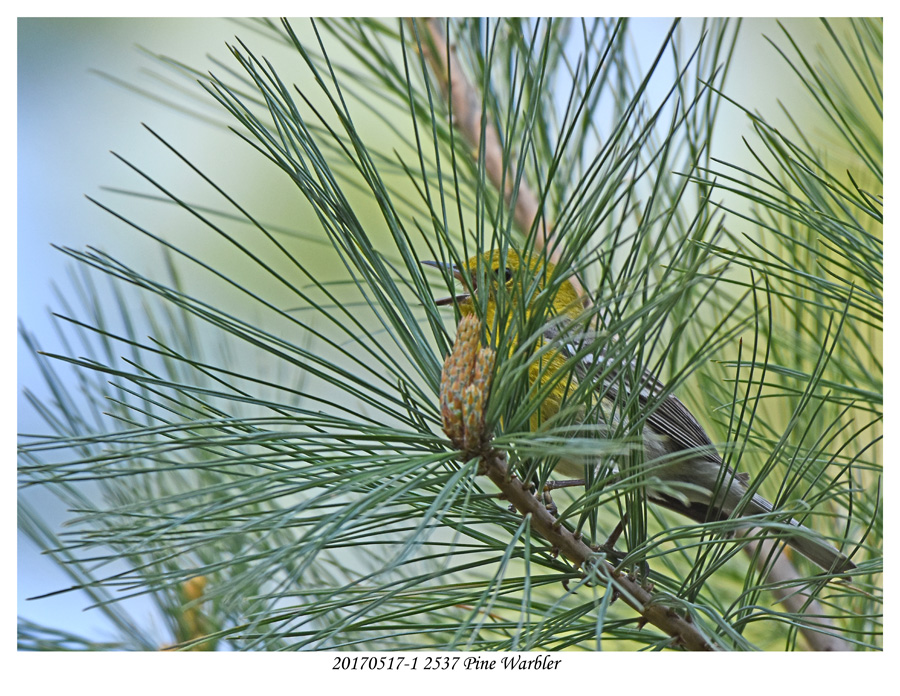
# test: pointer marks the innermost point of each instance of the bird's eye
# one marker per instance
(507, 273)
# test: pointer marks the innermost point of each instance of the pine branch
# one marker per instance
(468, 116)
(464, 393)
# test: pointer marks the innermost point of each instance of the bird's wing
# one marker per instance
(669, 417)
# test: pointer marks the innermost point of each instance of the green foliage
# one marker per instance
(291, 454)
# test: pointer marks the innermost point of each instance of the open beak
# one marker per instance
(456, 274)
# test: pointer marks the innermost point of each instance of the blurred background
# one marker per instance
(73, 109)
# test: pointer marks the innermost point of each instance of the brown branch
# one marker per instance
(465, 384)
(686, 633)
(466, 108)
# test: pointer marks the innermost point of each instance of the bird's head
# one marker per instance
(519, 275)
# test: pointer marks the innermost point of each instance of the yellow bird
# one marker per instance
(678, 454)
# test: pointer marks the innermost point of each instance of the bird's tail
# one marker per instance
(820, 552)
(804, 541)
(807, 542)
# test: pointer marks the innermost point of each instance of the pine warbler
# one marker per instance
(678, 454)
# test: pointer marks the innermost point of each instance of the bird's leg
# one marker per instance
(552, 486)
(548, 503)
(610, 542)
(609, 546)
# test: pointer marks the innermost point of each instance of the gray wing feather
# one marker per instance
(669, 418)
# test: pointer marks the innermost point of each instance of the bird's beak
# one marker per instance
(456, 274)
